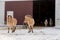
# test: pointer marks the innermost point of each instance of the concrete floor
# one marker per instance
(40, 33)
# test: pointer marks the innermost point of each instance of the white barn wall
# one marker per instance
(16, 0)
(2, 12)
(57, 13)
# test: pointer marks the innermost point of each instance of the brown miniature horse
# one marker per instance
(11, 23)
(30, 22)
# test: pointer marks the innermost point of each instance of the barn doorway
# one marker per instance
(44, 9)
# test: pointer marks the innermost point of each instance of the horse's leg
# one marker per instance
(13, 29)
(8, 29)
(32, 29)
(29, 29)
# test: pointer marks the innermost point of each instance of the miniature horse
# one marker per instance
(30, 22)
(11, 23)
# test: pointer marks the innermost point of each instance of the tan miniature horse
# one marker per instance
(30, 22)
(11, 23)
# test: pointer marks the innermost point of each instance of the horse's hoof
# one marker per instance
(32, 32)
(8, 31)
(13, 31)
(29, 31)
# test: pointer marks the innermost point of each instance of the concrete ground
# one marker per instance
(40, 33)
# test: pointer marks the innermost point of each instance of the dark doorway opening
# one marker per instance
(44, 9)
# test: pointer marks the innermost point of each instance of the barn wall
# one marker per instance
(2, 12)
(20, 8)
(57, 11)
